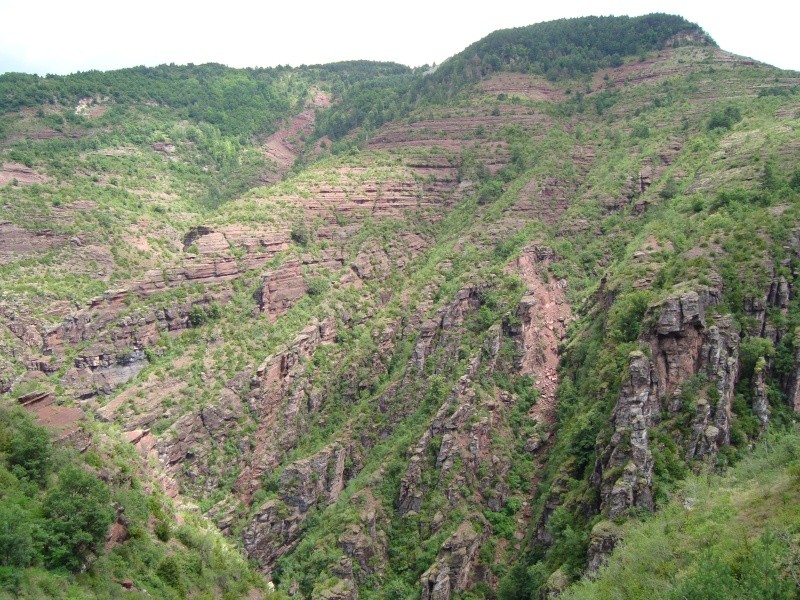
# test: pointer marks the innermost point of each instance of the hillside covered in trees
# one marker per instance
(521, 325)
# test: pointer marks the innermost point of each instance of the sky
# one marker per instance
(63, 37)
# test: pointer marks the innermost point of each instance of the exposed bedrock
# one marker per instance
(681, 345)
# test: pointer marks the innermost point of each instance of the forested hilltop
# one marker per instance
(521, 325)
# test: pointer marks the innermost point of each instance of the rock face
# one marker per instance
(117, 352)
(274, 529)
(625, 477)
(682, 346)
(457, 440)
(776, 296)
(793, 383)
(281, 288)
(364, 541)
(185, 450)
(679, 335)
(112, 343)
(344, 586)
(452, 571)
(320, 477)
(719, 359)
(462, 439)
(279, 397)
(604, 538)
(760, 400)
(439, 330)
(276, 398)
(271, 533)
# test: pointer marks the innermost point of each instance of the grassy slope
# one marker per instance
(735, 535)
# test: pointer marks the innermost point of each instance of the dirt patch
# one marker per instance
(89, 107)
(63, 419)
(138, 242)
(545, 313)
(520, 84)
(284, 146)
(22, 175)
(16, 241)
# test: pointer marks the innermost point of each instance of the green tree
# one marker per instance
(17, 547)
(78, 513)
(28, 448)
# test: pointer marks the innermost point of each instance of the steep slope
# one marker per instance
(96, 525)
(748, 512)
(532, 300)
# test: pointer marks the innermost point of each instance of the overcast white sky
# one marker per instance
(48, 36)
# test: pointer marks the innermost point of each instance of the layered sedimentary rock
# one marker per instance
(16, 242)
(281, 288)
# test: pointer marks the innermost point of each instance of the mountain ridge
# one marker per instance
(431, 357)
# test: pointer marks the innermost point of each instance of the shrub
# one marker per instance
(163, 531)
(199, 316)
(670, 190)
(725, 119)
(490, 191)
(640, 131)
(301, 235)
(10, 579)
(794, 181)
(626, 316)
(169, 571)
(317, 286)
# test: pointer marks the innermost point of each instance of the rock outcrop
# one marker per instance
(719, 359)
(343, 587)
(271, 533)
(16, 242)
(604, 538)
(281, 288)
(460, 438)
(18, 174)
(187, 448)
(275, 527)
(760, 400)
(682, 346)
(625, 476)
(364, 541)
(277, 398)
(792, 385)
(453, 569)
